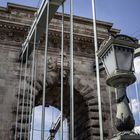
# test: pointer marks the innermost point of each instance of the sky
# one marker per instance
(131, 92)
(124, 14)
(51, 115)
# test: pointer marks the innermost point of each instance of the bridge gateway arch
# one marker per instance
(22, 80)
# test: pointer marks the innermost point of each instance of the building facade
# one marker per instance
(15, 22)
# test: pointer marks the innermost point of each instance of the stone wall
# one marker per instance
(15, 21)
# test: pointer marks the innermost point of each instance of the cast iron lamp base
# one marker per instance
(122, 78)
(124, 117)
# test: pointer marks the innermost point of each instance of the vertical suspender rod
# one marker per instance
(97, 69)
(28, 105)
(17, 113)
(33, 111)
(71, 74)
(45, 74)
(32, 78)
(62, 71)
(28, 101)
(23, 98)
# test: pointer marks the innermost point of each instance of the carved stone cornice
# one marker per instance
(12, 32)
(4, 24)
(10, 37)
(77, 37)
(14, 28)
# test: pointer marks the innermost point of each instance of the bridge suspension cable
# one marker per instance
(28, 101)
(97, 70)
(18, 95)
(45, 73)
(62, 71)
(34, 94)
(32, 78)
(71, 74)
(23, 95)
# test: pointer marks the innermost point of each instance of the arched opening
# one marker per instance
(81, 111)
(51, 116)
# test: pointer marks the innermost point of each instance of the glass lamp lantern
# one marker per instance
(117, 55)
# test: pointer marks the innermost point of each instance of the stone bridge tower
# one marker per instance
(15, 21)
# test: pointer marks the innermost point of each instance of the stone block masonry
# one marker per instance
(15, 21)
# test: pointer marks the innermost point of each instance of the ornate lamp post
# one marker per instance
(117, 55)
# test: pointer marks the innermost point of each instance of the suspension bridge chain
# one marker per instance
(45, 75)
(23, 97)
(97, 70)
(62, 70)
(71, 74)
(27, 115)
(34, 93)
(32, 79)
